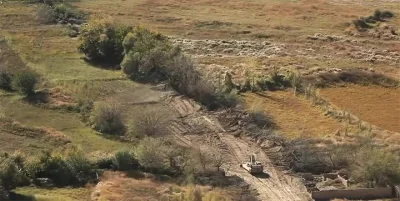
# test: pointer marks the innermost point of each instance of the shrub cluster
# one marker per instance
(50, 169)
(379, 16)
(369, 164)
(147, 56)
(63, 13)
(24, 81)
(151, 57)
(272, 81)
(73, 169)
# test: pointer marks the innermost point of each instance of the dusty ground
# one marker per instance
(376, 105)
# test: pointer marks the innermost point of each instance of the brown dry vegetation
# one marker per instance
(270, 17)
(18, 137)
(294, 116)
(376, 105)
(115, 186)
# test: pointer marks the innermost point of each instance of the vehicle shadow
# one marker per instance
(263, 175)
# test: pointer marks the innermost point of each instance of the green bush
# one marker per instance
(376, 167)
(56, 169)
(106, 118)
(361, 24)
(143, 40)
(124, 160)
(150, 155)
(387, 14)
(70, 170)
(25, 82)
(65, 11)
(364, 22)
(49, 14)
(150, 56)
(230, 100)
(5, 80)
(101, 41)
(80, 167)
(11, 171)
(382, 15)
(146, 54)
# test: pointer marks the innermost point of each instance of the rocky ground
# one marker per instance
(320, 53)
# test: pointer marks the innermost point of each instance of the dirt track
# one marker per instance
(202, 129)
(277, 186)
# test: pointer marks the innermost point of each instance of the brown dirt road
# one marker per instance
(202, 129)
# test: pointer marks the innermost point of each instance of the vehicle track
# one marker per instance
(271, 188)
(212, 136)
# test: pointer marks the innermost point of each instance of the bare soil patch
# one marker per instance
(293, 116)
(377, 105)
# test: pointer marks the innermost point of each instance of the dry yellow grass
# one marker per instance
(279, 18)
(294, 116)
(376, 105)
